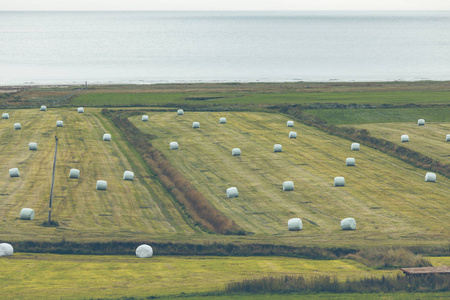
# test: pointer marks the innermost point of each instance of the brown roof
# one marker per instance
(427, 270)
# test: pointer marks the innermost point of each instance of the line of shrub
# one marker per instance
(290, 284)
(191, 200)
(363, 136)
(182, 249)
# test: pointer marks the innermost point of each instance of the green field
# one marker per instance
(389, 199)
(362, 116)
(245, 98)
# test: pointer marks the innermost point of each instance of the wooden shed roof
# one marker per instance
(426, 270)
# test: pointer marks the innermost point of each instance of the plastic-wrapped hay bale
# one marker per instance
(173, 145)
(235, 152)
(292, 135)
(404, 138)
(74, 173)
(144, 118)
(277, 148)
(447, 138)
(27, 214)
(32, 146)
(222, 120)
(43, 108)
(350, 161)
(107, 137)
(430, 177)
(288, 186)
(421, 122)
(17, 126)
(339, 181)
(232, 192)
(101, 185)
(128, 175)
(59, 123)
(180, 112)
(295, 224)
(355, 146)
(348, 224)
(144, 251)
(6, 249)
(14, 172)
(290, 123)
(196, 125)
(80, 110)
(5, 116)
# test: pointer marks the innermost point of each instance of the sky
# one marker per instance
(95, 5)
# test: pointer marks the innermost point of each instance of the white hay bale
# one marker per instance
(288, 186)
(277, 148)
(235, 152)
(222, 120)
(292, 135)
(421, 122)
(144, 251)
(144, 118)
(173, 145)
(232, 192)
(101, 185)
(355, 146)
(339, 181)
(196, 125)
(430, 177)
(80, 110)
(14, 172)
(17, 126)
(128, 175)
(350, 161)
(107, 137)
(447, 138)
(404, 138)
(27, 214)
(348, 224)
(59, 123)
(290, 123)
(180, 112)
(295, 224)
(43, 108)
(5, 116)
(74, 173)
(32, 146)
(6, 249)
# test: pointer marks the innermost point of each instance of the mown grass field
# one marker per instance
(389, 199)
(429, 140)
(50, 276)
(126, 210)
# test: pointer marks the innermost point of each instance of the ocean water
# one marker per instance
(151, 47)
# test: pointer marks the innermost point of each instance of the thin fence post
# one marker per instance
(53, 182)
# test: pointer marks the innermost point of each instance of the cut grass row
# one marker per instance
(388, 198)
(127, 210)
